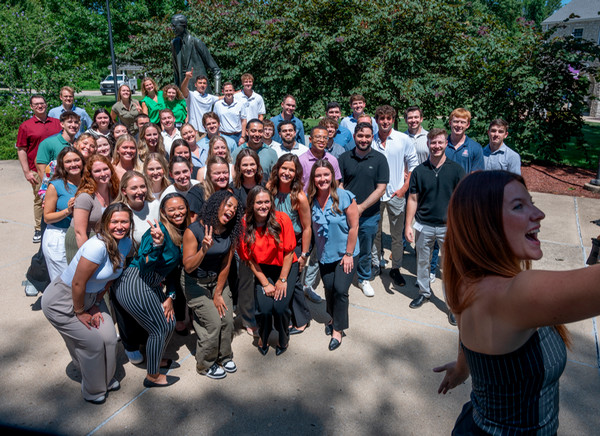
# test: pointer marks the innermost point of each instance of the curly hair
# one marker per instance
(144, 80)
(312, 188)
(176, 234)
(272, 226)
(295, 187)
(60, 173)
(210, 213)
(86, 135)
(178, 96)
(88, 184)
(142, 146)
(112, 246)
(238, 180)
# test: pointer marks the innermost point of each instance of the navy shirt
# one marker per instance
(361, 175)
(469, 155)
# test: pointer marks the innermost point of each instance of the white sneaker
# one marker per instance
(366, 288)
(30, 290)
(114, 385)
(431, 278)
(229, 366)
(214, 372)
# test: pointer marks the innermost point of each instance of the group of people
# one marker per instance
(200, 208)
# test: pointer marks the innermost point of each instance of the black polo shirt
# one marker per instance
(362, 175)
(434, 187)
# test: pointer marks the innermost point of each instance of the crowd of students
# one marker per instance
(188, 206)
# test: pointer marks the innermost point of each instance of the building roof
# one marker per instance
(586, 9)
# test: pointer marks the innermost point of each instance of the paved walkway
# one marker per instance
(378, 382)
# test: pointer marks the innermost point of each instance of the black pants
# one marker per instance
(131, 332)
(246, 306)
(173, 284)
(336, 283)
(300, 311)
(270, 312)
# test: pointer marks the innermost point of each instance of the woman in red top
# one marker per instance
(268, 247)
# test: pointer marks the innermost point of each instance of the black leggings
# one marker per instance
(336, 283)
(270, 312)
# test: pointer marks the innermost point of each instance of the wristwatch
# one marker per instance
(171, 295)
(348, 254)
(282, 280)
(307, 254)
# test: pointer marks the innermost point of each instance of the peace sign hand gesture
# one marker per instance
(157, 235)
(207, 241)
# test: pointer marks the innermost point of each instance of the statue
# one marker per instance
(190, 53)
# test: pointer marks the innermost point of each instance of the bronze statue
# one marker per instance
(190, 53)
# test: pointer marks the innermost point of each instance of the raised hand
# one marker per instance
(157, 235)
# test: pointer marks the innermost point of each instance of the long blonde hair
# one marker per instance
(142, 146)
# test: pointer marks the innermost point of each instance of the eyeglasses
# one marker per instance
(38, 104)
(320, 138)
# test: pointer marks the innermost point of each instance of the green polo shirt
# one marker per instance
(50, 147)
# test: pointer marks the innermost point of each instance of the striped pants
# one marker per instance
(142, 297)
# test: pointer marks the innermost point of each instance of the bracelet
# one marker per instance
(79, 312)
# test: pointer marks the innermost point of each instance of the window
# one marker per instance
(577, 33)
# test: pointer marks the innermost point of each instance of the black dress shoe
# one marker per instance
(334, 344)
(451, 318)
(328, 329)
(418, 302)
(171, 380)
(280, 350)
(397, 277)
(171, 364)
(264, 350)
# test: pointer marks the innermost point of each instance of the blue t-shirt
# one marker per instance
(331, 228)
(95, 251)
(62, 203)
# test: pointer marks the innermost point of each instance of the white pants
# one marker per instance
(53, 247)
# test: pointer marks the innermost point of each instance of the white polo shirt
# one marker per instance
(230, 115)
(252, 106)
(197, 106)
(168, 140)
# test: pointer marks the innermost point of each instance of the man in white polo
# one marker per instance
(229, 111)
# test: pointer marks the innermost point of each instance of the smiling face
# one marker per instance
(288, 134)
(183, 151)
(136, 191)
(119, 225)
(103, 146)
(268, 132)
(67, 98)
(151, 138)
(141, 121)
(201, 86)
(248, 167)
(127, 151)
(219, 175)
(212, 127)
(358, 107)
(437, 146)
(167, 120)
(335, 113)
(155, 171)
(255, 134)
(288, 107)
(287, 172)
(88, 147)
(385, 123)
(175, 211)
(247, 85)
(319, 138)
(227, 210)
(171, 94)
(220, 149)
(101, 173)
(262, 207)
(125, 92)
(323, 178)
(38, 106)
(188, 133)
(71, 126)
(73, 164)
(414, 119)
(521, 222)
(148, 86)
(363, 139)
(228, 92)
(459, 125)
(181, 175)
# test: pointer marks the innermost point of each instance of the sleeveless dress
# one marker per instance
(515, 393)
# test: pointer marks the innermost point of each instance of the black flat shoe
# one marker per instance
(418, 302)
(451, 318)
(334, 344)
(263, 351)
(297, 331)
(328, 329)
(280, 350)
(171, 364)
(171, 380)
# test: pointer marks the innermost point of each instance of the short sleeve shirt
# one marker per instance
(230, 115)
(361, 175)
(95, 251)
(197, 106)
(32, 132)
(90, 203)
(265, 249)
(504, 158)
(154, 107)
(469, 155)
(299, 128)
(307, 160)
(126, 115)
(331, 228)
(252, 106)
(50, 148)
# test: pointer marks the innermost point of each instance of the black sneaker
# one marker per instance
(37, 237)
(397, 277)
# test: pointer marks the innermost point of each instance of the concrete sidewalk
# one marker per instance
(378, 382)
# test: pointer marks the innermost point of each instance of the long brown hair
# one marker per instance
(207, 184)
(176, 234)
(296, 185)
(312, 188)
(88, 184)
(475, 244)
(60, 173)
(238, 180)
(272, 226)
(112, 246)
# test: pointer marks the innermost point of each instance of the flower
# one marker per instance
(339, 39)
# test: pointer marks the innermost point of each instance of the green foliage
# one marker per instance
(12, 113)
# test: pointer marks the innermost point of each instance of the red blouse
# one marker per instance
(265, 249)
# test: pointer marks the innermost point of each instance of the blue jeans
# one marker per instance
(367, 230)
(434, 257)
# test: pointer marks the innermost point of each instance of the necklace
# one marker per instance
(438, 170)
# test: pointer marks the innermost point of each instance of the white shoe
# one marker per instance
(30, 290)
(229, 366)
(114, 385)
(431, 278)
(214, 372)
(366, 288)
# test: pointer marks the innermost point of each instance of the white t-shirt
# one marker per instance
(95, 251)
(168, 140)
(281, 150)
(172, 188)
(197, 106)
(150, 211)
(230, 115)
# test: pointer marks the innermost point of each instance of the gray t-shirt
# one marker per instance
(92, 205)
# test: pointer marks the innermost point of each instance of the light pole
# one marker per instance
(112, 51)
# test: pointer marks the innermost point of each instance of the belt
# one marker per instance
(231, 133)
(209, 280)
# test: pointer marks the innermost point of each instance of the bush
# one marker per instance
(14, 109)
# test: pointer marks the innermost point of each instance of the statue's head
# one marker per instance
(179, 24)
